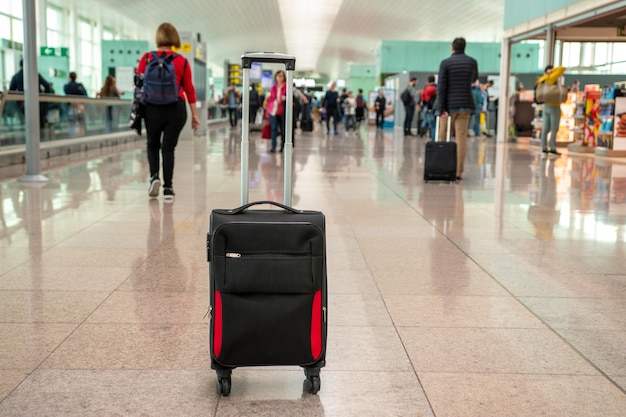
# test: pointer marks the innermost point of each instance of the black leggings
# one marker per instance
(163, 126)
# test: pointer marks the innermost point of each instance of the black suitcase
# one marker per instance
(267, 275)
(306, 123)
(440, 158)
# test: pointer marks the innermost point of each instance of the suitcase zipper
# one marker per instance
(236, 255)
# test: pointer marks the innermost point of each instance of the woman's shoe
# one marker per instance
(168, 193)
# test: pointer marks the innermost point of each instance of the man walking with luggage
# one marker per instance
(454, 97)
(408, 97)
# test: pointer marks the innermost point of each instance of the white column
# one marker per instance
(31, 94)
(549, 47)
(503, 99)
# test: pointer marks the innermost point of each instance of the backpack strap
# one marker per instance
(182, 80)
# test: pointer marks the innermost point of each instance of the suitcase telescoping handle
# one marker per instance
(290, 65)
(447, 129)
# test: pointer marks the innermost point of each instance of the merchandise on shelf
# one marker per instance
(567, 122)
(578, 128)
(619, 133)
(592, 114)
(607, 111)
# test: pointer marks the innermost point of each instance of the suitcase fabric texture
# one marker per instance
(306, 122)
(306, 125)
(267, 276)
(440, 158)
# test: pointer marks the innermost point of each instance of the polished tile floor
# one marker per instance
(501, 295)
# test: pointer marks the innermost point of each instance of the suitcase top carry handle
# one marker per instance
(273, 57)
(247, 206)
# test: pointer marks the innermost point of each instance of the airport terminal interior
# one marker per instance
(500, 294)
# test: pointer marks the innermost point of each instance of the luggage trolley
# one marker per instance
(267, 275)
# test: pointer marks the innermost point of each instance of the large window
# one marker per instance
(55, 34)
(592, 57)
(5, 27)
(11, 26)
(11, 8)
(11, 29)
(89, 56)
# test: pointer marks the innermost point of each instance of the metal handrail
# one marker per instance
(56, 98)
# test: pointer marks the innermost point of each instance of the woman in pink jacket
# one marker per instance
(276, 108)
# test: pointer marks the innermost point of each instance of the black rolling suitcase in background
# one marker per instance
(306, 122)
(440, 158)
(267, 275)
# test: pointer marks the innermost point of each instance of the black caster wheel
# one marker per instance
(223, 385)
(313, 382)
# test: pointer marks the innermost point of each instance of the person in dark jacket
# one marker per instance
(454, 97)
(17, 84)
(409, 106)
(331, 107)
(379, 104)
(73, 87)
(254, 103)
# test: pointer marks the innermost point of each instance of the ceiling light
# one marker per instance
(306, 25)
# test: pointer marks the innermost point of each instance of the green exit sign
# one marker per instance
(49, 51)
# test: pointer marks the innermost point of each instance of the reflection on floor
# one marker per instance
(503, 294)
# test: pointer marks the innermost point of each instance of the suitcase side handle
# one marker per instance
(274, 203)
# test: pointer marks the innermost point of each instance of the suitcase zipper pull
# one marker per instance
(233, 255)
(324, 312)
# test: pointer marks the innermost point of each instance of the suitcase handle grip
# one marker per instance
(270, 57)
(274, 203)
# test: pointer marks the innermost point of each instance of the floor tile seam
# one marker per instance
(540, 374)
(74, 331)
(16, 387)
(195, 323)
(544, 328)
(551, 328)
(586, 329)
(544, 322)
(380, 295)
(578, 298)
(207, 292)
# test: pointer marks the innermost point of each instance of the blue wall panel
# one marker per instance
(520, 11)
(399, 56)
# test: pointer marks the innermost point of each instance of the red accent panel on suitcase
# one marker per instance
(217, 325)
(316, 325)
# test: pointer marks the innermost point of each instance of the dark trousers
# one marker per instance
(163, 126)
(253, 111)
(335, 115)
(408, 118)
(232, 116)
(380, 118)
(277, 124)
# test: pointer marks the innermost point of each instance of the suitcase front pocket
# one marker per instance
(268, 273)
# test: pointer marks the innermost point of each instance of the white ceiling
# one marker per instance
(351, 35)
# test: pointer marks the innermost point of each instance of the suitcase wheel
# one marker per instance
(223, 383)
(313, 382)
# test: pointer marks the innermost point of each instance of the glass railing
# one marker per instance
(62, 117)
